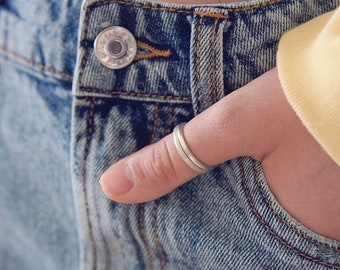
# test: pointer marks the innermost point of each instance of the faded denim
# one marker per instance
(64, 118)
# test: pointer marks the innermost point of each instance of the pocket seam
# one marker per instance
(269, 228)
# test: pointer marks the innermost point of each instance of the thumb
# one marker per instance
(235, 126)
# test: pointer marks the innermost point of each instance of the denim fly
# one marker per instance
(65, 118)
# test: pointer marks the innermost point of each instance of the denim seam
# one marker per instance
(142, 205)
(143, 235)
(270, 230)
(210, 14)
(36, 64)
(156, 202)
(285, 222)
(254, 6)
(134, 94)
(213, 56)
(198, 64)
(155, 123)
(153, 52)
(156, 235)
(89, 135)
(169, 124)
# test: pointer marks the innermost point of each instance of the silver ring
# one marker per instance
(185, 153)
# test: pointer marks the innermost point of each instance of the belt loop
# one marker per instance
(206, 57)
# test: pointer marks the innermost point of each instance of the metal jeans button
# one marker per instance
(115, 47)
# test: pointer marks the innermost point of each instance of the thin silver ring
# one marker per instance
(185, 153)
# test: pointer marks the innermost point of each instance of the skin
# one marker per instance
(255, 121)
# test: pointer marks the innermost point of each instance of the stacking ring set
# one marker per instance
(185, 152)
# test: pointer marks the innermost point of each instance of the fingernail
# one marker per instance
(116, 180)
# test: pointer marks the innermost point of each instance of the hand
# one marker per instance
(255, 121)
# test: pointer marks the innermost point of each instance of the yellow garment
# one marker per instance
(308, 63)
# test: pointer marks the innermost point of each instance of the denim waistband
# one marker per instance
(187, 53)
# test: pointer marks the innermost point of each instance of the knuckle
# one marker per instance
(156, 167)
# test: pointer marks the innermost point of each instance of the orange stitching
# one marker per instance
(198, 56)
(170, 118)
(155, 121)
(213, 55)
(153, 52)
(90, 120)
(134, 94)
(139, 6)
(305, 236)
(142, 231)
(207, 14)
(211, 15)
(36, 65)
(271, 231)
(254, 6)
(80, 100)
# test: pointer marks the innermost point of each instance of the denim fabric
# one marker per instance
(37, 58)
(55, 143)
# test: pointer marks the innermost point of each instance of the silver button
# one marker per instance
(115, 47)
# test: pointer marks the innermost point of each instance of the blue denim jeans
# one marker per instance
(64, 118)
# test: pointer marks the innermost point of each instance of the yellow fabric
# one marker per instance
(308, 63)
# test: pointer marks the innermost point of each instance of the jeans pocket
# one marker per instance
(299, 247)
